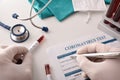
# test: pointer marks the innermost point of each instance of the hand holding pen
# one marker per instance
(95, 68)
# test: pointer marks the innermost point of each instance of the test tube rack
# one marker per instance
(112, 31)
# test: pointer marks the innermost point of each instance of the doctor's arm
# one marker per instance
(99, 69)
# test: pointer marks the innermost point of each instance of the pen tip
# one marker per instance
(41, 38)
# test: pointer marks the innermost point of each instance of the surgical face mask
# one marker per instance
(89, 5)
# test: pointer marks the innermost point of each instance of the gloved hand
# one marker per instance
(12, 71)
(107, 69)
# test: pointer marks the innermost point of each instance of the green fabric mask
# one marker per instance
(61, 9)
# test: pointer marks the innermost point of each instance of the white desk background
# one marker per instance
(59, 32)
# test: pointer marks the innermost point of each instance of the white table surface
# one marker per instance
(59, 32)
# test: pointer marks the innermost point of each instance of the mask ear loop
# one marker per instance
(88, 18)
(16, 16)
(89, 14)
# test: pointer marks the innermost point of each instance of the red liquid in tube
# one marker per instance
(116, 17)
(112, 8)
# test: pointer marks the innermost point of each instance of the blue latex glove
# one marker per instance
(61, 9)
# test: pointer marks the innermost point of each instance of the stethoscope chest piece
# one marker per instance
(19, 33)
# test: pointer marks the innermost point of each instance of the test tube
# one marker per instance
(112, 8)
(116, 16)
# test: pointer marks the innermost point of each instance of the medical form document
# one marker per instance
(66, 68)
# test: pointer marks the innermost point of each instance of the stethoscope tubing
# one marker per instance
(5, 26)
(16, 16)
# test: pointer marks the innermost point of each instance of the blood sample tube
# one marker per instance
(48, 72)
(112, 8)
(116, 16)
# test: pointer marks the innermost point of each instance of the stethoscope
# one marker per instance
(45, 29)
(18, 33)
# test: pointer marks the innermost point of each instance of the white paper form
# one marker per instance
(66, 68)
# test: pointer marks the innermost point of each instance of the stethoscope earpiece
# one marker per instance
(15, 16)
(45, 29)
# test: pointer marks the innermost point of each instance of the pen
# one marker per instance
(48, 72)
(18, 59)
(100, 55)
